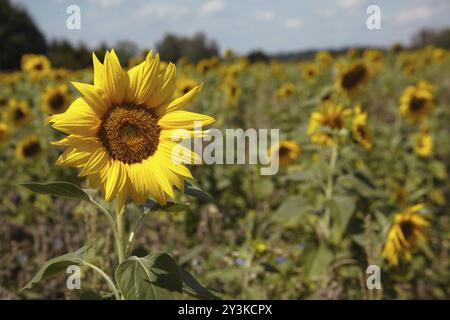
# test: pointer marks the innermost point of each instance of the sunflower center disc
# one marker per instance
(129, 132)
(56, 101)
(353, 77)
(417, 104)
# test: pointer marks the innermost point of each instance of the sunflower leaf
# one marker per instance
(59, 189)
(197, 192)
(58, 264)
(171, 206)
(155, 276)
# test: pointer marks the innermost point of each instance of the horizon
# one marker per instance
(275, 28)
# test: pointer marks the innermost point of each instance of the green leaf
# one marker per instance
(342, 208)
(171, 206)
(60, 189)
(155, 276)
(195, 191)
(356, 183)
(292, 211)
(194, 288)
(319, 261)
(56, 265)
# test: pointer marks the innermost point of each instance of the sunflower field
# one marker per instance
(364, 156)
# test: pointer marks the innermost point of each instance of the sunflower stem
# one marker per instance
(120, 239)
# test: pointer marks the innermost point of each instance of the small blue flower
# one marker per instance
(239, 261)
(280, 259)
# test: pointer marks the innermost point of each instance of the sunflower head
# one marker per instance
(310, 70)
(360, 129)
(408, 227)
(59, 74)
(185, 85)
(352, 78)
(121, 131)
(36, 65)
(28, 148)
(423, 144)
(4, 132)
(19, 112)
(324, 59)
(56, 99)
(288, 151)
(416, 102)
(285, 91)
(330, 116)
(232, 91)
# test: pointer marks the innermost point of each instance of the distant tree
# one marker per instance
(258, 56)
(125, 50)
(18, 35)
(63, 54)
(439, 38)
(173, 47)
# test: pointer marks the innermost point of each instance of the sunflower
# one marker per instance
(228, 54)
(206, 65)
(60, 74)
(323, 58)
(360, 129)
(56, 99)
(408, 227)
(353, 77)
(121, 130)
(331, 116)
(19, 112)
(4, 132)
(288, 151)
(309, 71)
(29, 147)
(185, 85)
(423, 144)
(285, 91)
(232, 91)
(416, 102)
(36, 65)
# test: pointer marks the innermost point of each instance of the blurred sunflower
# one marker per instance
(233, 92)
(416, 102)
(423, 144)
(309, 71)
(36, 65)
(185, 85)
(121, 130)
(228, 54)
(59, 74)
(4, 132)
(205, 65)
(288, 151)
(408, 227)
(324, 59)
(19, 112)
(353, 77)
(56, 99)
(286, 90)
(360, 129)
(28, 148)
(331, 116)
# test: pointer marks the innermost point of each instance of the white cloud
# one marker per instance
(350, 3)
(265, 15)
(161, 11)
(293, 23)
(414, 14)
(211, 7)
(107, 3)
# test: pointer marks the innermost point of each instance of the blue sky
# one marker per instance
(271, 25)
